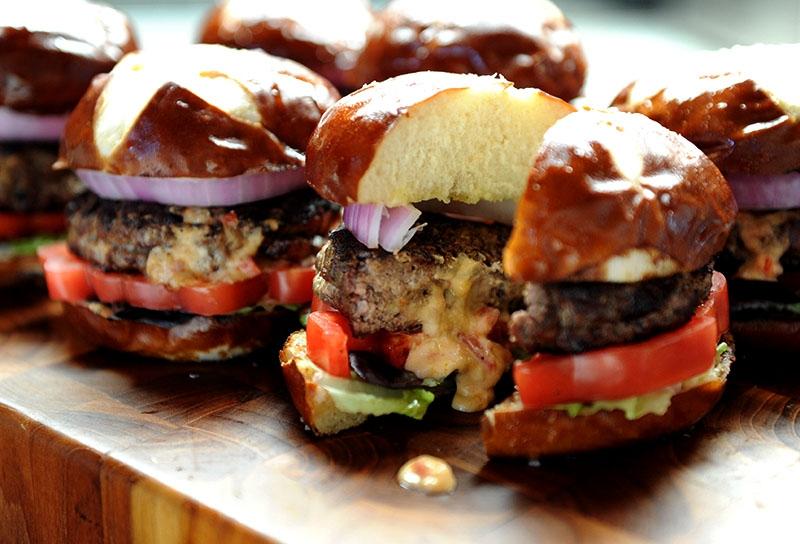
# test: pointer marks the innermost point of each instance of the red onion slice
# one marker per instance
(376, 225)
(776, 192)
(29, 127)
(396, 229)
(203, 192)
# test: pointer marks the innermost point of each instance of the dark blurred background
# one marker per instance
(621, 37)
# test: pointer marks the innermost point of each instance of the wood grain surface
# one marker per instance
(96, 446)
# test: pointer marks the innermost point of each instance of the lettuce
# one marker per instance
(656, 402)
(357, 397)
(26, 246)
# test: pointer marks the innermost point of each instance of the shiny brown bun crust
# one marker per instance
(50, 51)
(178, 134)
(605, 183)
(740, 127)
(18, 269)
(302, 33)
(512, 431)
(202, 339)
(780, 336)
(529, 42)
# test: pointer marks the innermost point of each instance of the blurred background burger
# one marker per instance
(49, 53)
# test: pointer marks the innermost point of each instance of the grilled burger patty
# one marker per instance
(379, 291)
(174, 245)
(574, 317)
(29, 184)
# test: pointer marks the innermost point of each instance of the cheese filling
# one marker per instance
(766, 238)
(454, 337)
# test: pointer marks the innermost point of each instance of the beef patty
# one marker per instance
(176, 245)
(573, 317)
(381, 291)
(29, 184)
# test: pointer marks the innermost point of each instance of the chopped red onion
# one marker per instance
(194, 191)
(771, 192)
(376, 225)
(16, 126)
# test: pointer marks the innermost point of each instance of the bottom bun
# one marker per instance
(511, 430)
(191, 339)
(775, 335)
(315, 405)
(19, 269)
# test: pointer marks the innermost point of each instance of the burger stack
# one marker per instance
(49, 52)
(196, 238)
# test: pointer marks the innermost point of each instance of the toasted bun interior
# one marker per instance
(431, 136)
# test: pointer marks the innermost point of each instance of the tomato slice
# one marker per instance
(72, 280)
(222, 298)
(16, 225)
(327, 335)
(717, 305)
(317, 305)
(619, 372)
(65, 275)
(291, 285)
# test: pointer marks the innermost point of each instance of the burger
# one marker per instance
(410, 297)
(529, 42)
(324, 36)
(622, 332)
(49, 52)
(196, 238)
(741, 108)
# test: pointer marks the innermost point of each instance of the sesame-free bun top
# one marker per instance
(740, 105)
(617, 197)
(196, 111)
(326, 36)
(529, 42)
(50, 51)
(430, 136)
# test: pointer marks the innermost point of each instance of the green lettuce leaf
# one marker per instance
(656, 402)
(26, 246)
(357, 397)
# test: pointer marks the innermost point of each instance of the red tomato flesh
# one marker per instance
(628, 370)
(74, 280)
(327, 335)
(16, 225)
(291, 285)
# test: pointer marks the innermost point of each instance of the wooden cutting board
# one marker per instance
(98, 446)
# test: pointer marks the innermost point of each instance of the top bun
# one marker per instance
(196, 111)
(325, 36)
(739, 105)
(50, 51)
(617, 197)
(430, 135)
(529, 42)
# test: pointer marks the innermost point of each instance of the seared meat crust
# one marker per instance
(28, 182)
(380, 291)
(573, 317)
(120, 236)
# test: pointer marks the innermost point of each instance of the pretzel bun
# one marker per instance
(617, 197)
(316, 406)
(198, 339)
(324, 36)
(509, 430)
(430, 135)
(738, 105)
(50, 51)
(529, 42)
(196, 111)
